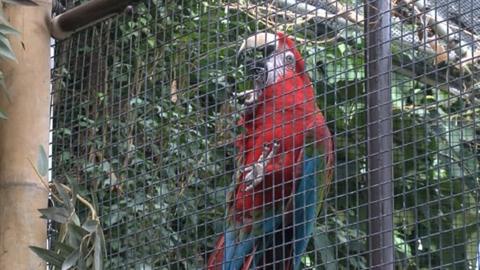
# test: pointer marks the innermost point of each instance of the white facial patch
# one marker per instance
(275, 67)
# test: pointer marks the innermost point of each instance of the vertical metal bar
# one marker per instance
(379, 125)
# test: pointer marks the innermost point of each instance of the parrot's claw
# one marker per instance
(242, 94)
(256, 172)
(249, 96)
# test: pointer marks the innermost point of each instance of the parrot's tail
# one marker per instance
(216, 258)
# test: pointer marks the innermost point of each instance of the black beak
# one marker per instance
(254, 66)
(254, 59)
(256, 70)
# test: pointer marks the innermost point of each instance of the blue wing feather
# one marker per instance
(237, 249)
(305, 202)
(305, 205)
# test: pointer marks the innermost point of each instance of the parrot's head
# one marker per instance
(269, 58)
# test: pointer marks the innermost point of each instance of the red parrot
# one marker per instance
(285, 157)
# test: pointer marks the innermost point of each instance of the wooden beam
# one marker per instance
(86, 14)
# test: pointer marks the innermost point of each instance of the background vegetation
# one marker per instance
(144, 120)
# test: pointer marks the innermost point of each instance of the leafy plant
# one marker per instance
(78, 244)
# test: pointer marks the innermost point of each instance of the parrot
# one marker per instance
(285, 157)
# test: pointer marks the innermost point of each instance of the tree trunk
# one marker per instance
(28, 83)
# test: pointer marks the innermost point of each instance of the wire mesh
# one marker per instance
(145, 118)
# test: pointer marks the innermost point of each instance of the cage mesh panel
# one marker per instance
(144, 119)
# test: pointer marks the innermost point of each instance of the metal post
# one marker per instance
(380, 144)
(85, 14)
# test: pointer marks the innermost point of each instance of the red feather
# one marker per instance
(285, 112)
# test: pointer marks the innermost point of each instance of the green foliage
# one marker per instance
(144, 121)
(78, 245)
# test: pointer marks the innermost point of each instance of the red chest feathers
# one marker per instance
(282, 116)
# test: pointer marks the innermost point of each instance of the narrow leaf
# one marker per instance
(73, 184)
(57, 214)
(71, 260)
(84, 251)
(6, 50)
(42, 162)
(3, 87)
(90, 225)
(99, 247)
(48, 256)
(102, 239)
(76, 219)
(6, 28)
(63, 192)
(98, 263)
(62, 248)
(77, 231)
(3, 114)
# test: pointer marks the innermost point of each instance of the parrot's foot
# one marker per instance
(255, 172)
(249, 96)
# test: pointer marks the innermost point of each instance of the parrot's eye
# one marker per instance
(289, 59)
